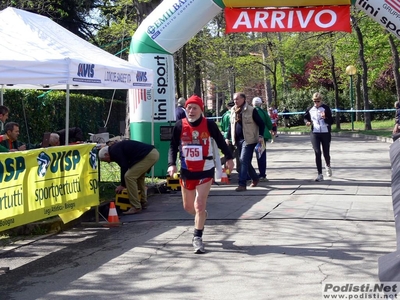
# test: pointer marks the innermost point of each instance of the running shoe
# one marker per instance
(320, 177)
(198, 245)
(328, 171)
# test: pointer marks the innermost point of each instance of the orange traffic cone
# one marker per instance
(113, 219)
(224, 177)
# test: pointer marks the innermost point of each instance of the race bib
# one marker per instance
(193, 152)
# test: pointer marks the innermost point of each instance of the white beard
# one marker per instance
(191, 120)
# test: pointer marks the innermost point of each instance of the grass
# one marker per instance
(379, 128)
(110, 176)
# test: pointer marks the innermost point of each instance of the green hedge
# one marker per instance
(39, 111)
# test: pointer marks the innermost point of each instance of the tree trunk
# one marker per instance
(367, 115)
(285, 87)
(184, 71)
(269, 94)
(335, 86)
(358, 97)
(274, 87)
(396, 64)
(267, 82)
(197, 80)
(177, 67)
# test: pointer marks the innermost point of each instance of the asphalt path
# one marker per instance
(284, 239)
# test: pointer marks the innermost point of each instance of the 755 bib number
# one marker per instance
(193, 152)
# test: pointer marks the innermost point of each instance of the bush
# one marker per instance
(39, 111)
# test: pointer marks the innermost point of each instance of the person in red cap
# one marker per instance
(192, 138)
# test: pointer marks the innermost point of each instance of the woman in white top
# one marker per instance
(319, 117)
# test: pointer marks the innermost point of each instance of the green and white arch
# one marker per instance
(175, 22)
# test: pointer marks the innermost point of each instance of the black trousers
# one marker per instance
(324, 140)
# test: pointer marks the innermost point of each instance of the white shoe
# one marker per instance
(198, 245)
(328, 171)
(320, 177)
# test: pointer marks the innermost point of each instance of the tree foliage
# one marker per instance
(284, 68)
(70, 14)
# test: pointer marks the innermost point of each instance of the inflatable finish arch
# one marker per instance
(170, 26)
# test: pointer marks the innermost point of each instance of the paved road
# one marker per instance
(281, 240)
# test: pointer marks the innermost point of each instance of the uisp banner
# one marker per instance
(41, 183)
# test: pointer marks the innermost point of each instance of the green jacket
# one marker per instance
(2, 148)
(267, 121)
(225, 123)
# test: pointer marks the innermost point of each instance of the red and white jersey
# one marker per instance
(196, 148)
(274, 117)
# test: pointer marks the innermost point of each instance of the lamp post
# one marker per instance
(351, 70)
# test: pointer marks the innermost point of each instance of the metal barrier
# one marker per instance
(389, 264)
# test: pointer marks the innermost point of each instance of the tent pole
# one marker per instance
(67, 118)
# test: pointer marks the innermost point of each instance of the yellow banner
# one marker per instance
(41, 183)
(283, 3)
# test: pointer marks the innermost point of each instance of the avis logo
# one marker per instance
(141, 76)
(394, 4)
(86, 70)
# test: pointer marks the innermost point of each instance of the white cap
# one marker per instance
(257, 101)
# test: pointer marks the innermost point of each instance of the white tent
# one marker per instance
(37, 53)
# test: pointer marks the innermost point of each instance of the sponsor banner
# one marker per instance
(37, 184)
(395, 4)
(174, 22)
(281, 3)
(329, 18)
(102, 76)
(157, 104)
(360, 290)
(385, 12)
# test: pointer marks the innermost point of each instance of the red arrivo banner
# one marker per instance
(318, 18)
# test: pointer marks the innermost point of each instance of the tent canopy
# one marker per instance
(37, 53)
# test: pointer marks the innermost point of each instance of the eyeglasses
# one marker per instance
(316, 101)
